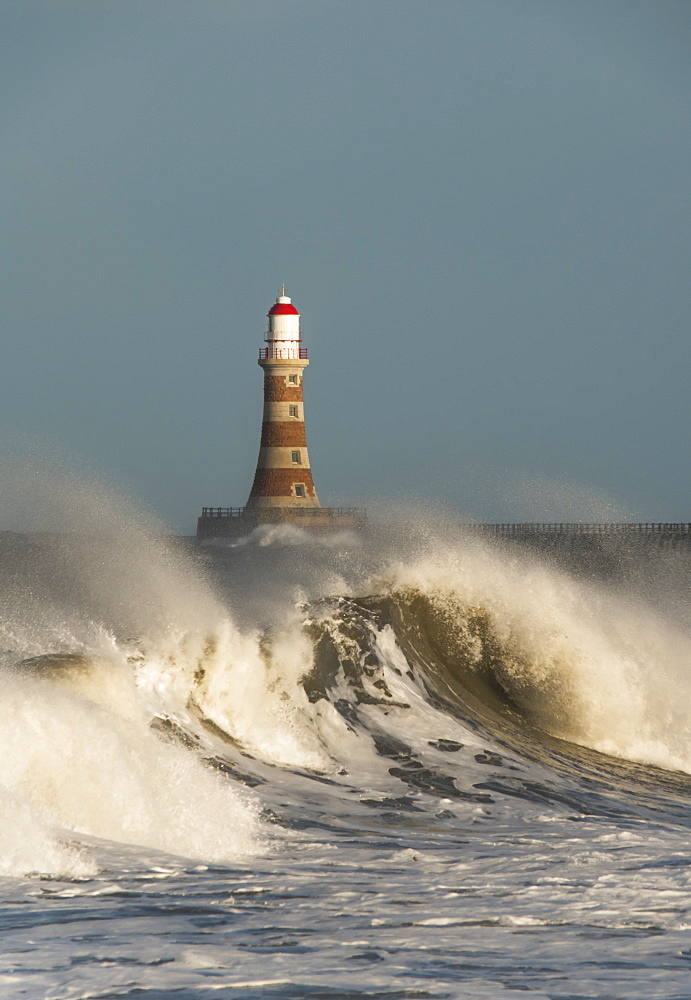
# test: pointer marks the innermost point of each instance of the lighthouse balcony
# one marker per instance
(283, 354)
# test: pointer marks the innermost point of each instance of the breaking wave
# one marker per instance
(166, 696)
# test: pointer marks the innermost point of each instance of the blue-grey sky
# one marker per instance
(480, 207)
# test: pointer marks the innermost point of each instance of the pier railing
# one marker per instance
(585, 528)
(657, 529)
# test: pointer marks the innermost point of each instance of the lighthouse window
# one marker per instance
(293, 410)
(295, 458)
(293, 379)
(299, 490)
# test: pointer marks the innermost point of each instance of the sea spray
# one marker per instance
(77, 751)
(393, 707)
(245, 683)
(328, 666)
(584, 662)
(82, 759)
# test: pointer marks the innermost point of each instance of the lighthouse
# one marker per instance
(284, 475)
(283, 489)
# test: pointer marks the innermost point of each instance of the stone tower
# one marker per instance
(283, 489)
(283, 477)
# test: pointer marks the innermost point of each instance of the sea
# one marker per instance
(405, 763)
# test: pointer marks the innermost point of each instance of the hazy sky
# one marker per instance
(480, 207)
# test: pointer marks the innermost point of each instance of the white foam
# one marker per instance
(588, 665)
(68, 763)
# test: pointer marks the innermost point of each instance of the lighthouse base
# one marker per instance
(234, 522)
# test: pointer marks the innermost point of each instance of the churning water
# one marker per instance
(406, 765)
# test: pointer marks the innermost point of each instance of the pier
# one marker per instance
(230, 522)
(675, 529)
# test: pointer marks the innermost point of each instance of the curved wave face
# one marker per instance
(331, 754)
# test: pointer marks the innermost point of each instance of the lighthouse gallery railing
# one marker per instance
(294, 511)
(283, 354)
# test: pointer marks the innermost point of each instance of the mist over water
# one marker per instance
(336, 711)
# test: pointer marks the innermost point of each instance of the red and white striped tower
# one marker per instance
(283, 478)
